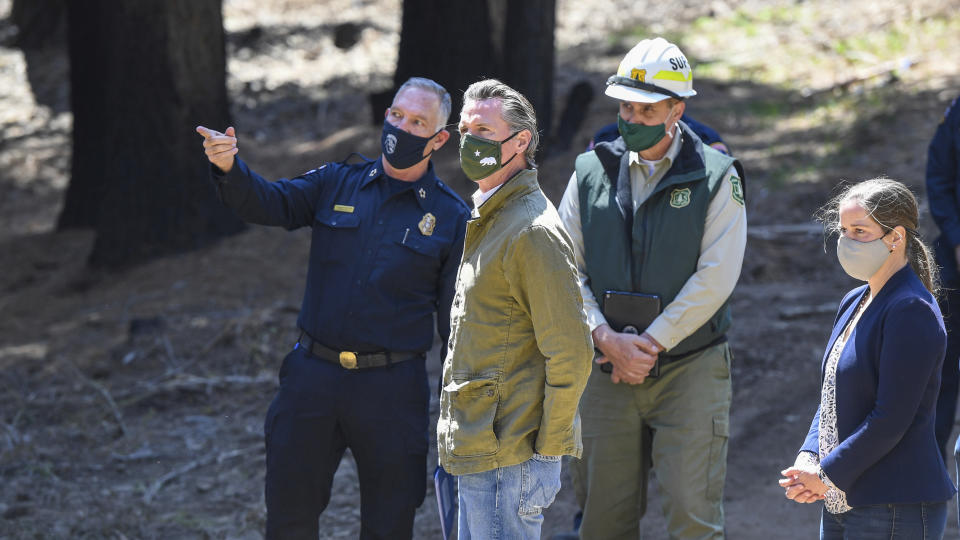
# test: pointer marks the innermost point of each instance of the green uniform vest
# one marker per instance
(655, 249)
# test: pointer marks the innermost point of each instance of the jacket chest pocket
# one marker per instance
(336, 234)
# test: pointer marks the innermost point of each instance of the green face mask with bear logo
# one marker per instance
(479, 157)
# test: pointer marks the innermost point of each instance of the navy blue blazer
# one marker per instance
(887, 386)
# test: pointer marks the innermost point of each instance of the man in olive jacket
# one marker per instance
(520, 350)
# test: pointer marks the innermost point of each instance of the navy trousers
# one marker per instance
(321, 409)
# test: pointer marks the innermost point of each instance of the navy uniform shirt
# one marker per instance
(943, 190)
(384, 253)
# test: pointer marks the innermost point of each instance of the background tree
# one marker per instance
(458, 43)
(143, 74)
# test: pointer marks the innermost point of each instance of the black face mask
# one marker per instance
(403, 150)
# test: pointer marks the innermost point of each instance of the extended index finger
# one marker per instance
(207, 132)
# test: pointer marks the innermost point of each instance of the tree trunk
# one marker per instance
(144, 74)
(458, 43)
(38, 22)
(528, 55)
(88, 48)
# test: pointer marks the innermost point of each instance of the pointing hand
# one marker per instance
(219, 147)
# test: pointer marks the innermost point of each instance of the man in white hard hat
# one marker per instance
(659, 213)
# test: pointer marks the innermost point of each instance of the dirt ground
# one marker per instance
(131, 403)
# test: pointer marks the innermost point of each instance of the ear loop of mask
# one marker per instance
(889, 229)
(893, 246)
(504, 164)
(676, 124)
(432, 150)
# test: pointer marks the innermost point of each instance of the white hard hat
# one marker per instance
(652, 71)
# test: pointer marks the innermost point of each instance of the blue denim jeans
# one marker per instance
(956, 457)
(507, 503)
(921, 521)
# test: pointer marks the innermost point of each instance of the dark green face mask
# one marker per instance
(479, 157)
(639, 137)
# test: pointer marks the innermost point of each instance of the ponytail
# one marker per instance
(922, 261)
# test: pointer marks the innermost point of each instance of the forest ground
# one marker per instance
(131, 403)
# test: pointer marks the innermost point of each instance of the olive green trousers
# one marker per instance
(676, 424)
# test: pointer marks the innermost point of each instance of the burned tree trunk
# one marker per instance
(458, 43)
(143, 75)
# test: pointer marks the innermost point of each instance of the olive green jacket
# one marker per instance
(520, 351)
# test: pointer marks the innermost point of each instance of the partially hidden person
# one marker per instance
(943, 192)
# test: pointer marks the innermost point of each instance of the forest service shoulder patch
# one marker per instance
(736, 190)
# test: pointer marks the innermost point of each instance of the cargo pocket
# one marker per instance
(473, 405)
(717, 467)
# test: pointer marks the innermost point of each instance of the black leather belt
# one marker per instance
(668, 358)
(354, 360)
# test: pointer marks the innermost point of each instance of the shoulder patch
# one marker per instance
(736, 190)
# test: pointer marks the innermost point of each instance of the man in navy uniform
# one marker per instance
(943, 189)
(387, 240)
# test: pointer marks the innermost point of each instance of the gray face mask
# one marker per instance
(861, 260)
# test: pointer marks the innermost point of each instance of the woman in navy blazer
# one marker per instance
(871, 453)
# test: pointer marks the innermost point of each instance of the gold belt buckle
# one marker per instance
(348, 359)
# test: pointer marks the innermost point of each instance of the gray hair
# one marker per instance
(515, 109)
(430, 86)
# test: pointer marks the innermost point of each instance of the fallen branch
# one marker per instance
(789, 313)
(117, 415)
(191, 383)
(227, 331)
(168, 349)
(779, 230)
(158, 484)
(885, 68)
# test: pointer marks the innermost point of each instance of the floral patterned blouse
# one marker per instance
(835, 500)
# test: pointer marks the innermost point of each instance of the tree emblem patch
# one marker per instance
(680, 197)
(736, 190)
